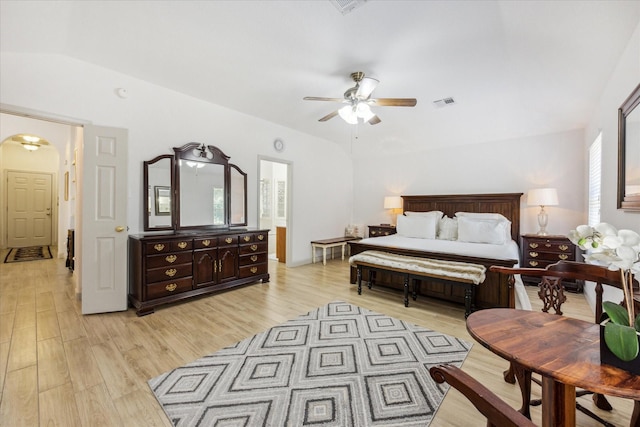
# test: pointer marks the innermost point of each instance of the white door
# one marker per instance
(103, 228)
(28, 209)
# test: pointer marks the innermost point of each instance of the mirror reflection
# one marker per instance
(157, 193)
(202, 200)
(238, 196)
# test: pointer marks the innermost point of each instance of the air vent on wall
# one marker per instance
(346, 6)
(444, 102)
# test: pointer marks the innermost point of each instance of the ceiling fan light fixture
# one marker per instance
(348, 114)
(364, 111)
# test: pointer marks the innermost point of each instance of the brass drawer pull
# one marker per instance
(247, 238)
(254, 270)
(220, 265)
(260, 236)
(254, 258)
(171, 287)
(533, 263)
(228, 240)
(206, 242)
(563, 247)
(533, 245)
(386, 233)
(182, 245)
(373, 232)
(548, 245)
(563, 256)
(171, 272)
(170, 258)
(158, 247)
(254, 247)
(533, 254)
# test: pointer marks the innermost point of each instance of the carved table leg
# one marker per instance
(524, 381)
(509, 375)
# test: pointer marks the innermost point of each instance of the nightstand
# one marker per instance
(540, 251)
(381, 230)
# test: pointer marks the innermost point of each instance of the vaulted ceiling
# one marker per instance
(514, 68)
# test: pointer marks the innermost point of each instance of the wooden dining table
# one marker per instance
(563, 350)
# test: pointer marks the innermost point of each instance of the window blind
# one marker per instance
(595, 160)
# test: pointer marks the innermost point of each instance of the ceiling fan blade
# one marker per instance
(329, 116)
(319, 98)
(365, 87)
(393, 102)
(374, 120)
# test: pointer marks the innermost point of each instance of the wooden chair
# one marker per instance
(551, 292)
(496, 410)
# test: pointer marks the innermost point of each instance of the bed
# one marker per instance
(495, 291)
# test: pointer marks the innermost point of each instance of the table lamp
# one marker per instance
(393, 203)
(542, 197)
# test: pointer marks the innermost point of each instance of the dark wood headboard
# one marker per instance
(507, 204)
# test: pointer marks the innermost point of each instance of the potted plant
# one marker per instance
(618, 250)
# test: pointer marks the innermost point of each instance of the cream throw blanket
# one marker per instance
(456, 271)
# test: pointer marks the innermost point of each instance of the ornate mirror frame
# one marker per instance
(629, 153)
(210, 155)
(152, 180)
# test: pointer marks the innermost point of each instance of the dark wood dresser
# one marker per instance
(541, 251)
(165, 268)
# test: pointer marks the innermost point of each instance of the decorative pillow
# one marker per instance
(477, 230)
(488, 215)
(448, 228)
(423, 227)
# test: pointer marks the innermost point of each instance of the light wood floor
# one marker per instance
(59, 368)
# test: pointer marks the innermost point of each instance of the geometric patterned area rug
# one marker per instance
(338, 365)
(30, 253)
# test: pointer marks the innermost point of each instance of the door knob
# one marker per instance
(119, 228)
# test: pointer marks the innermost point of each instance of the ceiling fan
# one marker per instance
(358, 101)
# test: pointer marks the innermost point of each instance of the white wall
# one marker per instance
(159, 119)
(511, 166)
(624, 79)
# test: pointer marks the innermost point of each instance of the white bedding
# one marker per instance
(509, 250)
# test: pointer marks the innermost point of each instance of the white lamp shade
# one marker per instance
(542, 197)
(348, 114)
(393, 202)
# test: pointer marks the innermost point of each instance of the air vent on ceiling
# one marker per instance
(346, 6)
(444, 102)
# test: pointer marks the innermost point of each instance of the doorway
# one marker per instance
(274, 205)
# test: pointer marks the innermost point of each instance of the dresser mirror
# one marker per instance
(629, 153)
(196, 187)
(210, 192)
(157, 193)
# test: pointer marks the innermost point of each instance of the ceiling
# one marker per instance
(514, 68)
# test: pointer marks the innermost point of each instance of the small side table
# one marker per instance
(381, 230)
(541, 251)
(329, 243)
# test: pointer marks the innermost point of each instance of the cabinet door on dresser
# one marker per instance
(168, 268)
(253, 254)
(205, 262)
(227, 258)
(541, 251)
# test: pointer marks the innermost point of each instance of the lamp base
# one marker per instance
(542, 222)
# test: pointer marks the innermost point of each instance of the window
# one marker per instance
(595, 160)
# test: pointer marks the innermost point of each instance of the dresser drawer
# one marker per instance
(536, 245)
(157, 261)
(168, 273)
(168, 246)
(548, 256)
(205, 243)
(169, 287)
(253, 248)
(252, 237)
(228, 240)
(253, 259)
(253, 270)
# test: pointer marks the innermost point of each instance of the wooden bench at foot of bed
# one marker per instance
(416, 269)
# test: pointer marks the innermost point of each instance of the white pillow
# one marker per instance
(436, 214)
(488, 215)
(448, 228)
(423, 227)
(477, 230)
